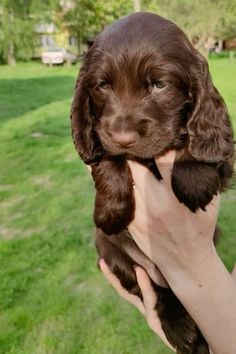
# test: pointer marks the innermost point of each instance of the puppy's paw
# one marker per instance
(183, 334)
(114, 202)
(113, 215)
(112, 251)
(195, 183)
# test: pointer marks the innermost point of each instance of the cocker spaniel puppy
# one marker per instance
(141, 91)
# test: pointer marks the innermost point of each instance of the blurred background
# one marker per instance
(53, 299)
(30, 27)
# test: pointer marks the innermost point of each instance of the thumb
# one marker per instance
(149, 295)
(165, 164)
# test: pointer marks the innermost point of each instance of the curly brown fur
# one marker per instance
(143, 90)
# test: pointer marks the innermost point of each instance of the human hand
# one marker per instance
(180, 243)
(149, 297)
(166, 231)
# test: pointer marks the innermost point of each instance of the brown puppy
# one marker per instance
(142, 90)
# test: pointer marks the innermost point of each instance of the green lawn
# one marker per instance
(52, 297)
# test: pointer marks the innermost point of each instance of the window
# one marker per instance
(72, 41)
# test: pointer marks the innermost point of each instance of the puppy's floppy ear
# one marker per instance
(209, 129)
(83, 123)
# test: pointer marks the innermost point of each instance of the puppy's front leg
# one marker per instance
(194, 182)
(114, 202)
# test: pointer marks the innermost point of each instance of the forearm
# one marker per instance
(208, 291)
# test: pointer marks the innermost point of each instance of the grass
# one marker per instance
(52, 297)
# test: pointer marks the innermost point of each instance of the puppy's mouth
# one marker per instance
(132, 144)
(140, 149)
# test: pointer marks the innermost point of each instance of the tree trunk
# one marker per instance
(137, 5)
(10, 55)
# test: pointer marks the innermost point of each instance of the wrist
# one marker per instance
(191, 270)
(208, 294)
(185, 263)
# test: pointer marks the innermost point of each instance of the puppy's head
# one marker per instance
(143, 89)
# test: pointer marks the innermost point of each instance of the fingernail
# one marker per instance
(136, 268)
(101, 263)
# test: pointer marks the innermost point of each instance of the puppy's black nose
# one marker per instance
(124, 139)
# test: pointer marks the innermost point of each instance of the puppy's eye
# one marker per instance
(104, 85)
(159, 84)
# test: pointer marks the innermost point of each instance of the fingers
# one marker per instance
(149, 295)
(234, 272)
(167, 159)
(140, 175)
(165, 165)
(89, 168)
(119, 288)
(150, 300)
(215, 203)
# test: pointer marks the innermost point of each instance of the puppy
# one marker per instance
(143, 90)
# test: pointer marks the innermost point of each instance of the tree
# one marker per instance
(88, 17)
(85, 18)
(199, 20)
(14, 29)
(17, 24)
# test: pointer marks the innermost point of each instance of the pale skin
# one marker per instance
(180, 243)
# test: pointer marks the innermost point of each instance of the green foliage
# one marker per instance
(85, 18)
(18, 19)
(52, 296)
(89, 17)
(200, 20)
(17, 26)
(226, 26)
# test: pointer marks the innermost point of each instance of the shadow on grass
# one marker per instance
(18, 96)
